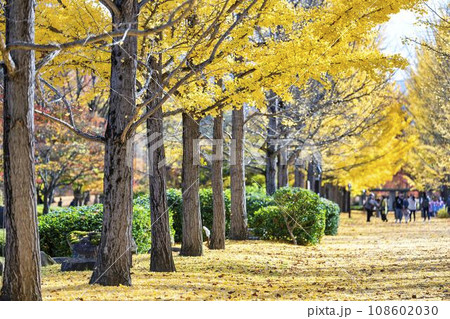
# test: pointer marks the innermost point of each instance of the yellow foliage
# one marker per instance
(429, 105)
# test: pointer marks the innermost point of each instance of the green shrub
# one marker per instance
(142, 223)
(175, 206)
(332, 216)
(304, 214)
(256, 199)
(55, 227)
(175, 203)
(268, 223)
(206, 208)
(442, 213)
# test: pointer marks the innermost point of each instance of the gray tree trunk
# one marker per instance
(238, 229)
(218, 228)
(283, 177)
(271, 157)
(21, 277)
(114, 257)
(299, 177)
(192, 238)
(161, 258)
(310, 176)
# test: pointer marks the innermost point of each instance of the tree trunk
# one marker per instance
(310, 176)
(161, 258)
(218, 228)
(48, 198)
(238, 227)
(21, 277)
(271, 157)
(299, 178)
(45, 209)
(192, 239)
(283, 177)
(114, 257)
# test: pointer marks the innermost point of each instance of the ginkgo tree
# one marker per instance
(309, 42)
(429, 105)
(194, 47)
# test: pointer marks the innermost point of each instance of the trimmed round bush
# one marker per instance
(332, 216)
(268, 223)
(304, 214)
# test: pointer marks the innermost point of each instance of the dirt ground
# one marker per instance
(376, 261)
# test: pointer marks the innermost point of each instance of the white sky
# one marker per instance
(406, 24)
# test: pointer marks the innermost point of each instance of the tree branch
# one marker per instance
(9, 63)
(92, 39)
(94, 138)
(111, 6)
(142, 4)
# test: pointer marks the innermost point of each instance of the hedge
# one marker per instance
(332, 217)
(55, 227)
(256, 198)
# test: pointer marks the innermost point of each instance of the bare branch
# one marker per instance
(94, 138)
(46, 59)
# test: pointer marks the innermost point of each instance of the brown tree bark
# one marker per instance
(21, 278)
(114, 257)
(271, 157)
(238, 229)
(161, 258)
(192, 238)
(218, 228)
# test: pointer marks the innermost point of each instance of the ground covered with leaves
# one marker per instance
(376, 261)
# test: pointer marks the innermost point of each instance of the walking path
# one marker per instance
(376, 261)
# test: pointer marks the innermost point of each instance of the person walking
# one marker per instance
(370, 206)
(434, 206)
(384, 208)
(405, 210)
(398, 208)
(448, 205)
(412, 207)
(425, 205)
